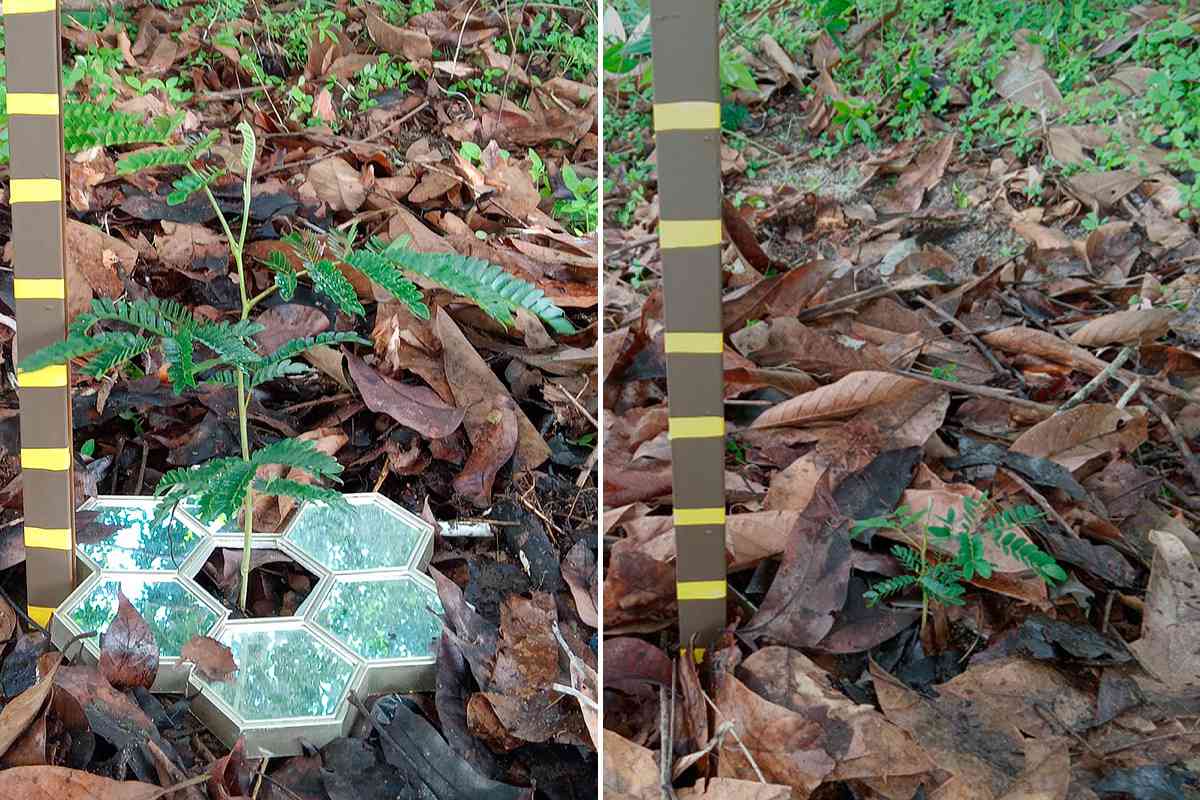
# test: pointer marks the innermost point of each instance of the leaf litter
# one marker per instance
(465, 129)
(923, 309)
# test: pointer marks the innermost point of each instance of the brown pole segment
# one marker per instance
(36, 195)
(687, 126)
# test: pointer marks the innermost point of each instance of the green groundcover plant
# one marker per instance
(199, 352)
(943, 581)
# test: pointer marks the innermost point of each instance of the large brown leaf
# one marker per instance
(1170, 645)
(128, 652)
(475, 387)
(811, 582)
(415, 407)
(868, 746)
(493, 442)
(1083, 433)
(61, 783)
(1126, 327)
(852, 393)
(788, 747)
(630, 772)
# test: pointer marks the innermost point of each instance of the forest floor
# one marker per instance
(962, 377)
(470, 128)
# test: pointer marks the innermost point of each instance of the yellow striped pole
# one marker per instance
(36, 194)
(687, 129)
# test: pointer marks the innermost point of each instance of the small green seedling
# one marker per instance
(943, 581)
(115, 336)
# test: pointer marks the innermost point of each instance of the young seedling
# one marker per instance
(943, 581)
(196, 351)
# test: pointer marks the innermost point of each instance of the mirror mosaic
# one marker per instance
(370, 624)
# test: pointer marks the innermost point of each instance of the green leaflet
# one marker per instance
(385, 273)
(329, 281)
(495, 291)
(191, 183)
(299, 453)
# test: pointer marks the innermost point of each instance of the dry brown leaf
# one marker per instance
(1103, 189)
(630, 772)
(475, 387)
(1025, 81)
(338, 184)
(1088, 431)
(1126, 327)
(412, 45)
(1047, 773)
(96, 255)
(61, 783)
(213, 659)
(852, 393)
(787, 746)
(1170, 645)
(734, 789)
(871, 747)
(923, 175)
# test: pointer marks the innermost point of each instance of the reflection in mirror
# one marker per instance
(126, 538)
(283, 673)
(370, 537)
(173, 613)
(383, 618)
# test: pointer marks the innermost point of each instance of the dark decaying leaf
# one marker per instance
(25, 708)
(128, 652)
(453, 691)
(417, 750)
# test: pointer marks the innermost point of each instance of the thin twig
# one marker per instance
(1101, 378)
(984, 350)
(1189, 459)
(382, 132)
(1037, 497)
(981, 391)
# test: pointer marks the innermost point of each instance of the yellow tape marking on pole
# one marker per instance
(695, 427)
(54, 375)
(675, 233)
(701, 590)
(29, 6)
(687, 115)
(35, 190)
(34, 104)
(699, 516)
(694, 342)
(39, 288)
(54, 459)
(40, 614)
(49, 538)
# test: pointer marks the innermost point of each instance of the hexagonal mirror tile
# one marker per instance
(292, 684)
(378, 535)
(119, 533)
(390, 620)
(175, 608)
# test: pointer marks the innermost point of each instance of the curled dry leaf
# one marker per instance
(1170, 645)
(128, 652)
(213, 659)
(1126, 327)
(856, 391)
